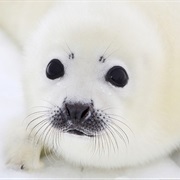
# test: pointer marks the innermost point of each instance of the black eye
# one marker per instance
(117, 76)
(55, 69)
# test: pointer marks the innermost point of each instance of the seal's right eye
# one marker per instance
(55, 69)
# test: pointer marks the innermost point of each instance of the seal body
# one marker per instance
(124, 126)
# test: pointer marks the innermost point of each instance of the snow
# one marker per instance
(11, 106)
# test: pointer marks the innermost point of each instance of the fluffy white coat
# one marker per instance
(142, 38)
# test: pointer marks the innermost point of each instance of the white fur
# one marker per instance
(142, 42)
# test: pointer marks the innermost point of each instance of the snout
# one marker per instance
(77, 112)
(78, 118)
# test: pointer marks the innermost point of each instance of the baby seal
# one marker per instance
(103, 81)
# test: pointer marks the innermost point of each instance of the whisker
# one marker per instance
(120, 135)
(108, 114)
(46, 154)
(35, 120)
(94, 144)
(55, 139)
(65, 51)
(42, 121)
(121, 123)
(42, 133)
(40, 107)
(116, 115)
(46, 122)
(37, 112)
(107, 49)
(47, 136)
(105, 140)
(112, 135)
(111, 53)
(121, 130)
(102, 143)
(98, 142)
(48, 128)
(59, 136)
(49, 103)
(109, 108)
(108, 141)
(68, 47)
(54, 155)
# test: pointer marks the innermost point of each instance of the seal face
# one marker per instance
(78, 118)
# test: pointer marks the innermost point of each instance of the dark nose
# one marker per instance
(77, 111)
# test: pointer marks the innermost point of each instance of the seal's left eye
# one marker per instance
(117, 76)
(55, 69)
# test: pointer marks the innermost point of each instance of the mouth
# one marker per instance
(79, 133)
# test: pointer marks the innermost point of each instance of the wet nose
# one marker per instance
(77, 111)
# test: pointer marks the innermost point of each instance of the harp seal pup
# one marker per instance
(103, 79)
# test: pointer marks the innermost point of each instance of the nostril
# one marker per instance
(85, 113)
(77, 111)
(68, 110)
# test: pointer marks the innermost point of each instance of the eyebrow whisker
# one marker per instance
(111, 53)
